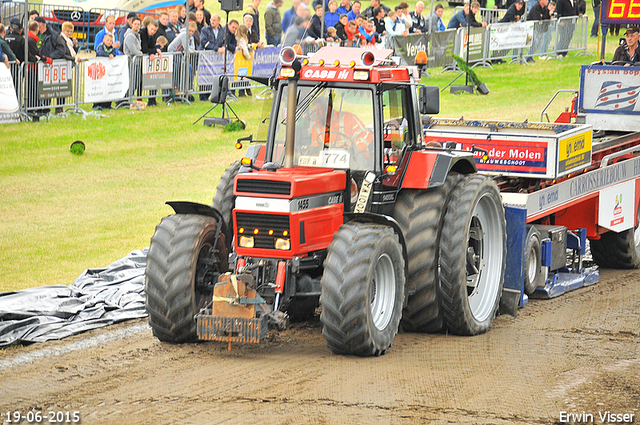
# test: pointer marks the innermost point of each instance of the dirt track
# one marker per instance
(577, 353)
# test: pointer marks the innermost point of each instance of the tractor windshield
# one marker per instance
(334, 128)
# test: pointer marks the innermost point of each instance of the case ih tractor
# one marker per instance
(345, 206)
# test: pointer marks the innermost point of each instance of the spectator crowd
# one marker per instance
(308, 23)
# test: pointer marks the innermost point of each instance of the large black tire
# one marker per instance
(180, 251)
(362, 290)
(224, 200)
(618, 250)
(473, 249)
(419, 213)
(532, 261)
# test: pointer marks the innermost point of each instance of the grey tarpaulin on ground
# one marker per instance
(98, 297)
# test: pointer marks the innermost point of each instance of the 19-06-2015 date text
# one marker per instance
(36, 417)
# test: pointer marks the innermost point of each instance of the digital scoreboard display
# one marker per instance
(620, 12)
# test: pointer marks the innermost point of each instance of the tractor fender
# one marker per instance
(183, 207)
(384, 220)
(430, 168)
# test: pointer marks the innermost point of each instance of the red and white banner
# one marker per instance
(106, 79)
(9, 108)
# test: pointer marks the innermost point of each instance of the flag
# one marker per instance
(617, 96)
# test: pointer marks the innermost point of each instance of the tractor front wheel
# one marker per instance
(362, 290)
(183, 264)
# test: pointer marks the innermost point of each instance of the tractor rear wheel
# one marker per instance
(419, 213)
(472, 256)
(223, 201)
(618, 250)
(182, 266)
(362, 290)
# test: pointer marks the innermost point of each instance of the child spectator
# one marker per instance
(332, 35)
(332, 17)
(243, 46)
(106, 50)
(341, 27)
(353, 35)
(367, 30)
(161, 43)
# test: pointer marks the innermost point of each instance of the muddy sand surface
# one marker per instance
(576, 354)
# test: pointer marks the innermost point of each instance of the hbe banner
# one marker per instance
(54, 80)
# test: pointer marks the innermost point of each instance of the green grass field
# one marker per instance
(63, 213)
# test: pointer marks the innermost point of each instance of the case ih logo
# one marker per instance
(96, 71)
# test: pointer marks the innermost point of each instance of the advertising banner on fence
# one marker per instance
(157, 73)
(476, 42)
(211, 64)
(439, 47)
(242, 66)
(262, 64)
(9, 108)
(54, 80)
(510, 35)
(265, 61)
(106, 79)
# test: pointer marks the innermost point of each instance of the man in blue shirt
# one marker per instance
(110, 24)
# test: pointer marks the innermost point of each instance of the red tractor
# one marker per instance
(345, 206)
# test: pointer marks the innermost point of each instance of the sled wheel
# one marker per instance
(532, 262)
(618, 250)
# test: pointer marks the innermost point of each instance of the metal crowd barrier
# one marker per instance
(489, 16)
(551, 38)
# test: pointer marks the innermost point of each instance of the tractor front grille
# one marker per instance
(263, 186)
(264, 224)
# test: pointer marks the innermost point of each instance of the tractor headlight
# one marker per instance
(246, 241)
(283, 244)
(361, 75)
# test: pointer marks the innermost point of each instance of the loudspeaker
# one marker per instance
(220, 90)
(230, 5)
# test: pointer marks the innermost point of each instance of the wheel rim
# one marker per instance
(484, 258)
(204, 275)
(383, 292)
(532, 266)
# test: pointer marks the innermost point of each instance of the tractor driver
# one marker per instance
(340, 129)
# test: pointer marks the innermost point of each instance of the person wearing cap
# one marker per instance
(628, 51)
(126, 27)
(514, 12)
(15, 39)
